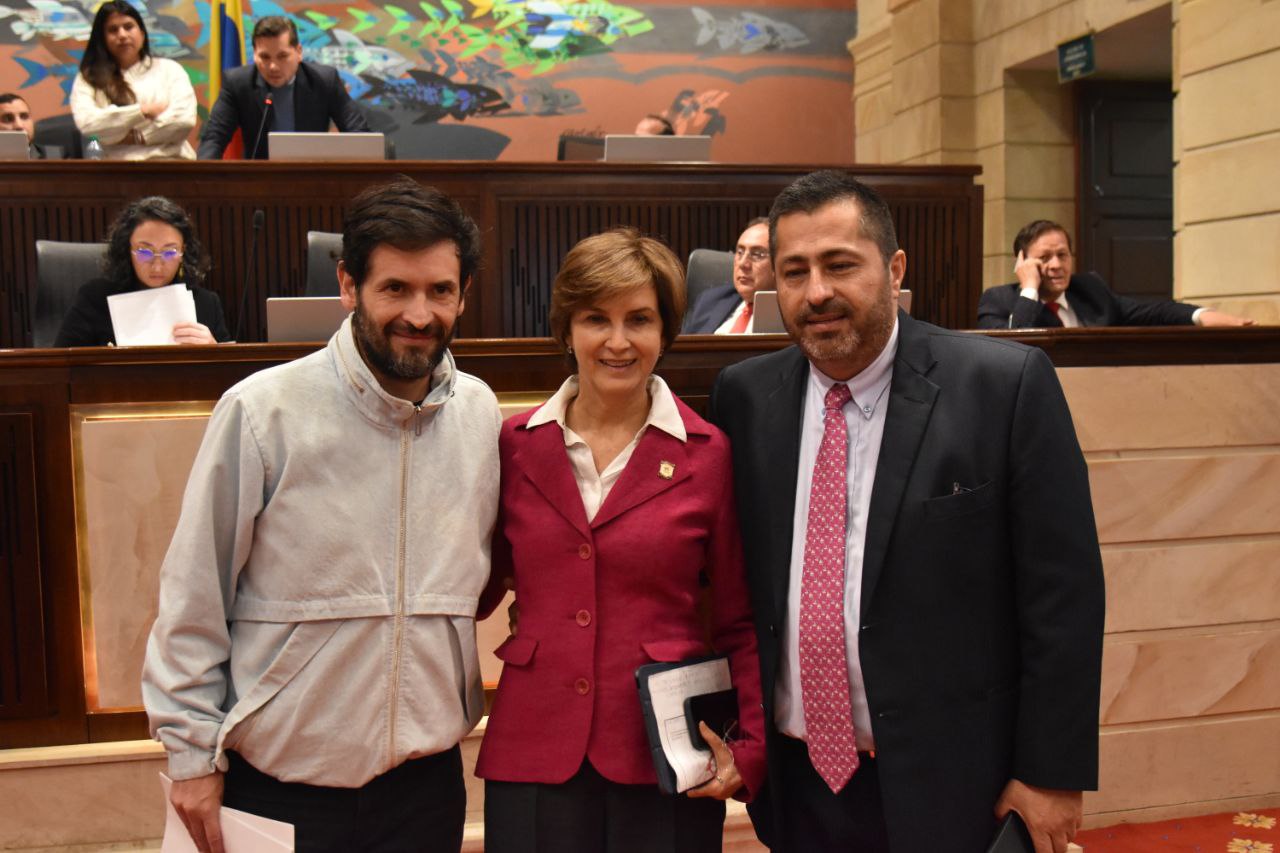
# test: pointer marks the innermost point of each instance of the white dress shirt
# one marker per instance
(1065, 314)
(726, 328)
(864, 416)
(593, 485)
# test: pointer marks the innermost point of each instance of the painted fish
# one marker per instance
(64, 72)
(353, 55)
(48, 19)
(541, 98)
(433, 97)
(747, 31)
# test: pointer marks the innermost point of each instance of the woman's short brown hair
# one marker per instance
(605, 265)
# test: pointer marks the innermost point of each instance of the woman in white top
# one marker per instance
(139, 107)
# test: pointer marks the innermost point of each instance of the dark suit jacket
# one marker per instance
(712, 308)
(318, 97)
(982, 591)
(600, 598)
(1093, 302)
(88, 322)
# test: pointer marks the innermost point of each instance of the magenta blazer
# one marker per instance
(599, 599)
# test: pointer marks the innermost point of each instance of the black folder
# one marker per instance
(666, 774)
(1012, 836)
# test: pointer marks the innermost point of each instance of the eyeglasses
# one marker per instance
(754, 255)
(146, 256)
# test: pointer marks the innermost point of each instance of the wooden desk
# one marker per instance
(530, 214)
(1180, 427)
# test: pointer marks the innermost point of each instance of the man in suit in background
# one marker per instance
(304, 96)
(727, 308)
(16, 115)
(1048, 295)
(922, 556)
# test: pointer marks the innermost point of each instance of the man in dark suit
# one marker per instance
(16, 115)
(1048, 295)
(923, 563)
(305, 96)
(726, 309)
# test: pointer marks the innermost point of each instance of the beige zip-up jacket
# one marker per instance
(317, 603)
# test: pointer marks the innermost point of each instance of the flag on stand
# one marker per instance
(226, 41)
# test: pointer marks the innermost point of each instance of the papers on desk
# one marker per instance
(241, 832)
(146, 317)
(663, 688)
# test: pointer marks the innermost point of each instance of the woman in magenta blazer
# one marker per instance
(616, 520)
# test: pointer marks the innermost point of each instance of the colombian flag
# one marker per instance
(226, 41)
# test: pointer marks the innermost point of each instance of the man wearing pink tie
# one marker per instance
(930, 647)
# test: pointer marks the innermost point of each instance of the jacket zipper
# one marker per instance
(401, 548)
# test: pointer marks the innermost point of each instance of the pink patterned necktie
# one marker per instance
(824, 665)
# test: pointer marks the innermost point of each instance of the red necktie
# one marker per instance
(740, 325)
(824, 665)
(1053, 307)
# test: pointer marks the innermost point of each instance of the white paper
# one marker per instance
(241, 832)
(667, 692)
(146, 317)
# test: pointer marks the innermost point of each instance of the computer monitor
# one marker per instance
(628, 148)
(293, 319)
(14, 145)
(326, 146)
(573, 147)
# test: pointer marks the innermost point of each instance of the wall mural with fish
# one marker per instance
(504, 79)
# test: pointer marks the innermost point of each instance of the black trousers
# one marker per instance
(419, 806)
(812, 818)
(590, 814)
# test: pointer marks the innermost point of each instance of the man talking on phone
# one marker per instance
(1048, 294)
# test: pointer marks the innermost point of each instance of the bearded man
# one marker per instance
(922, 557)
(314, 658)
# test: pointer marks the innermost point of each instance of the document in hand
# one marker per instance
(1012, 836)
(146, 317)
(241, 832)
(664, 687)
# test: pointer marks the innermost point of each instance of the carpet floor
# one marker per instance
(1233, 832)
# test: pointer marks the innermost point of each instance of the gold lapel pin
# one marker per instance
(666, 470)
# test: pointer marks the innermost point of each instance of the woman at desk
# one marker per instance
(152, 244)
(139, 107)
(616, 519)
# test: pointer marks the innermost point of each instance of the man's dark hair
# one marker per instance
(118, 266)
(10, 97)
(274, 25)
(819, 189)
(98, 65)
(667, 128)
(759, 220)
(1033, 231)
(408, 216)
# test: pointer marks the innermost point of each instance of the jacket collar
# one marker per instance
(368, 395)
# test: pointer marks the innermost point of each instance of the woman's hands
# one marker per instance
(192, 333)
(727, 781)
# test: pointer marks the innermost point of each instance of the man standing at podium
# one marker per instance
(313, 660)
(922, 557)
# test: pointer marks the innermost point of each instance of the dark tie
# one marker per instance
(1053, 307)
(824, 665)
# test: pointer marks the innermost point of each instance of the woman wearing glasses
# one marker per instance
(152, 244)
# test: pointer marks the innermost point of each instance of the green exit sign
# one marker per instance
(1075, 58)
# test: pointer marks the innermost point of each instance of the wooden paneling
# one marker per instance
(24, 691)
(529, 214)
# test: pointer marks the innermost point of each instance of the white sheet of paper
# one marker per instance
(667, 691)
(146, 317)
(241, 832)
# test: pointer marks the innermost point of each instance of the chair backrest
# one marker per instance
(61, 268)
(707, 268)
(59, 132)
(323, 250)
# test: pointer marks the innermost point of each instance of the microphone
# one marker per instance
(262, 125)
(259, 218)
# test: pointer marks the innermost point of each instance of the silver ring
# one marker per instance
(720, 780)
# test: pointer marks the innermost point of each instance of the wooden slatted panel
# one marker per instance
(24, 690)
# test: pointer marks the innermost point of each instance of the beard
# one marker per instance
(413, 362)
(865, 337)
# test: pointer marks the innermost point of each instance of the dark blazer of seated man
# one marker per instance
(726, 309)
(1048, 294)
(305, 96)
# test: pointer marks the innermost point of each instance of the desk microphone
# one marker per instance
(262, 125)
(259, 217)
